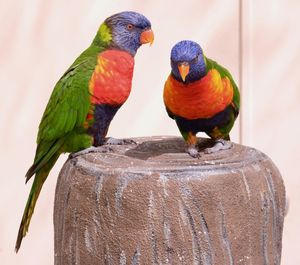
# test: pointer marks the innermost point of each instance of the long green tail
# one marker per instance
(40, 177)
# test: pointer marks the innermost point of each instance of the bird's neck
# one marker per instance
(192, 77)
(103, 37)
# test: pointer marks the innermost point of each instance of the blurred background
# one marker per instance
(258, 41)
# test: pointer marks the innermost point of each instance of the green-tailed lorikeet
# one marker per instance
(86, 98)
(201, 96)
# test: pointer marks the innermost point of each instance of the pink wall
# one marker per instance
(40, 39)
(271, 88)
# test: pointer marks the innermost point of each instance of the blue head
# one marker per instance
(129, 30)
(187, 61)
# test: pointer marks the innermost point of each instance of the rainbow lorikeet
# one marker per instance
(86, 98)
(201, 96)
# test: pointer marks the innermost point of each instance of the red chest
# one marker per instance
(111, 80)
(201, 99)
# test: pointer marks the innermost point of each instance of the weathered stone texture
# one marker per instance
(153, 204)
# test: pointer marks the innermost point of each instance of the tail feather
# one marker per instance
(43, 160)
(34, 193)
(38, 182)
(31, 171)
(227, 138)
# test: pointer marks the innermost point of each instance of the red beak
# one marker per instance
(184, 69)
(147, 36)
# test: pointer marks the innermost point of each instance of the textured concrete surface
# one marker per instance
(153, 204)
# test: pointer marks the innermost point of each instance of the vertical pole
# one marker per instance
(240, 40)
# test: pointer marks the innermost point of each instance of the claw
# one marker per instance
(114, 141)
(193, 152)
(92, 149)
(218, 146)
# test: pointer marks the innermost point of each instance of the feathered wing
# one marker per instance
(210, 64)
(66, 112)
(224, 130)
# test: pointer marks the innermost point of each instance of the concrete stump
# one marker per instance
(151, 203)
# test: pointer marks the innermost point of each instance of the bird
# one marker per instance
(201, 96)
(86, 98)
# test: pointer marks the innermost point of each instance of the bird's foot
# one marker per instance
(92, 149)
(114, 141)
(193, 152)
(219, 145)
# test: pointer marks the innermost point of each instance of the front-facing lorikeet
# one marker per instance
(86, 98)
(201, 96)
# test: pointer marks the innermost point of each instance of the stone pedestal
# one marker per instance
(151, 203)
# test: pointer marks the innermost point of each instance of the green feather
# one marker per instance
(61, 128)
(210, 64)
(224, 130)
(36, 187)
(103, 36)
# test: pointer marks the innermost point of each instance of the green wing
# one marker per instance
(69, 102)
(210, 64)
(61, 128)
(67, 108)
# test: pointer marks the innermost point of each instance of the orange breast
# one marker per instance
(111, 81)
(200, 99)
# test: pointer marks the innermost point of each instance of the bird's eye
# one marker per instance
(130, 27)
(196, 59)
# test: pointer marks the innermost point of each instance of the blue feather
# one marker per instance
(191, 53)
(124, 38)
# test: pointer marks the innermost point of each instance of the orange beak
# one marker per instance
(184, 69)
(147, 36)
